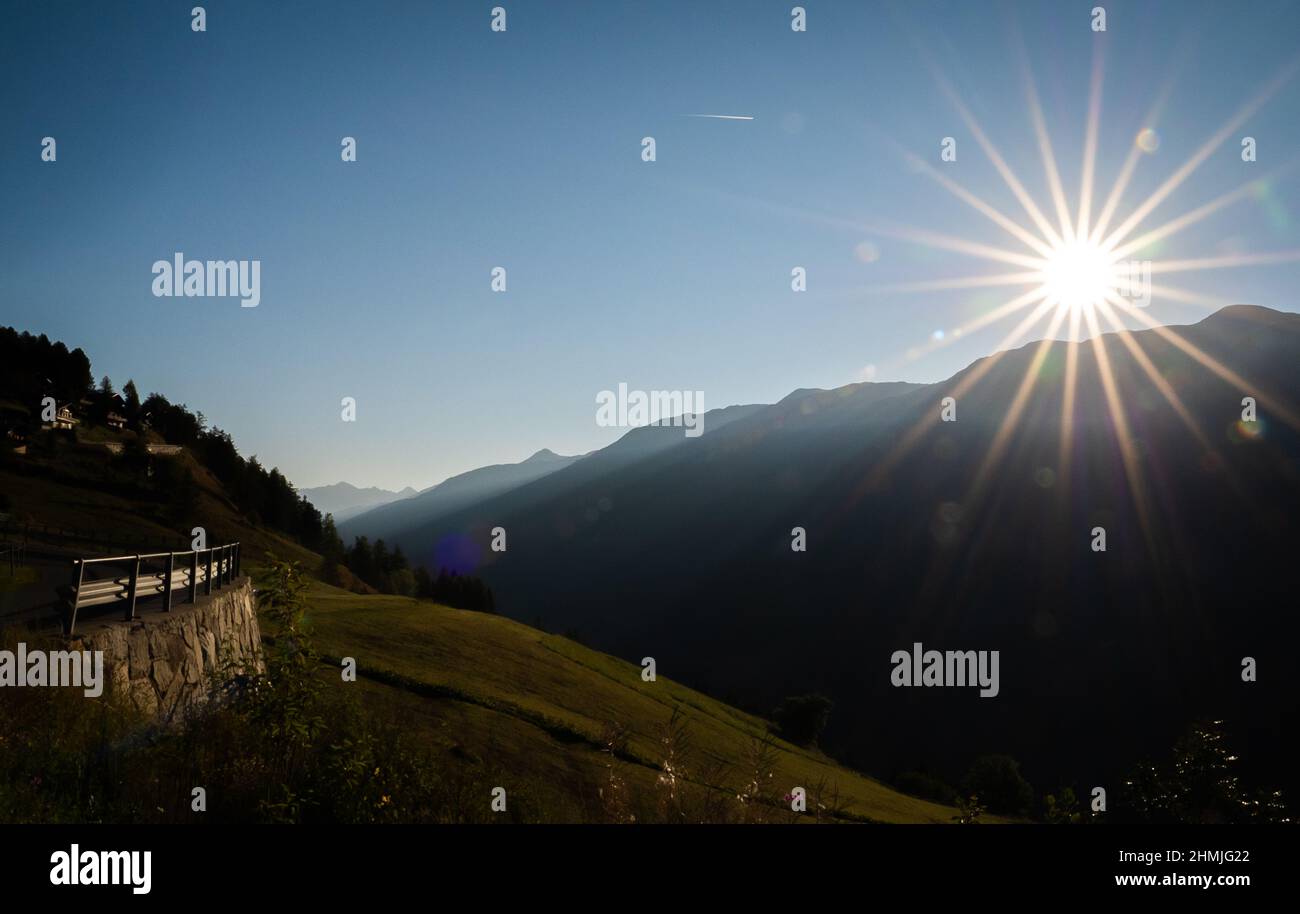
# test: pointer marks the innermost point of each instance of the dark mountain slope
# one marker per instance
(956, 542)
(508, 487)
(451, 495)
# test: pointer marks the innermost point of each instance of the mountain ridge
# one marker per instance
(616, 546)
(343, 499)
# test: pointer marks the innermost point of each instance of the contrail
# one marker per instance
(725, 117)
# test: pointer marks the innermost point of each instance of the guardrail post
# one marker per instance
(207, 583)
(167, 582)
(78, 571)
(130, 592)
(194, 576)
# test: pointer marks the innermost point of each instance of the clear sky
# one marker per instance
(523, 150)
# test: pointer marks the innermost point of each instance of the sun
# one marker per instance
(1081, 260)
(1079, 275)
(1079, 267)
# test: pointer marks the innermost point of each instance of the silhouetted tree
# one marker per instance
(382, 565)
(1200, 784)
(103, 401)
(423, 583)
(332, 552)
(32, 367)
(361, 559)
(131, 405)
(997, 781)
(452, 589)
(801, 719)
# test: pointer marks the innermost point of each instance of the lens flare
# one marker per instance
(1148, 140)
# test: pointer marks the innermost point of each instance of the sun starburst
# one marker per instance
(1079, 275)
(1080, 261)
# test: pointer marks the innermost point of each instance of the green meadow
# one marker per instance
(484, 690)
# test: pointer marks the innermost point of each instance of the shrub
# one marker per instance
(997, 781)
(1062, 808)
(801, 719)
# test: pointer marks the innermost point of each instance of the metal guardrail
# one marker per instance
(203, 567)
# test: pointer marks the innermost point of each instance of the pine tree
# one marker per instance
(131, 398)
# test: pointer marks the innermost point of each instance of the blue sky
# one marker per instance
(522, 150)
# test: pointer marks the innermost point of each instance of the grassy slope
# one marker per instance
(483, 689)
(538, 703)
(75, 499)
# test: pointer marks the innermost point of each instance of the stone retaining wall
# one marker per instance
(162, 662)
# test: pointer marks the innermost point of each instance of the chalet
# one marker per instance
(116, 421)
(64, 419)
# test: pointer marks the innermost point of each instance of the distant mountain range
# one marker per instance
(975, 534)
(344, 500)
(384, 521)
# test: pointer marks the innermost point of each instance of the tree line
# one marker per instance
(34, 367)
(389, 571)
